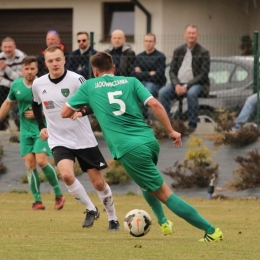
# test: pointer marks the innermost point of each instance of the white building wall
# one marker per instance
(220, 23)
(253, 15)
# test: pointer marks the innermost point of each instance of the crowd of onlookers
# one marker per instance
(188, 73)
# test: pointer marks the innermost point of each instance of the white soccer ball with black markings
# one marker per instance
(137, 222)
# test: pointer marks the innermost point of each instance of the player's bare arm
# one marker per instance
(66, 111)
(5, 109)
(85, 110)
(161, 115)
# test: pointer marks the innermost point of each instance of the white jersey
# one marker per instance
(62, 131)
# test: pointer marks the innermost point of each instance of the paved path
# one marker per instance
(224, 156)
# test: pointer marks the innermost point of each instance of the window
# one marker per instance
(118, 15)
(240, 74)
(220, 72)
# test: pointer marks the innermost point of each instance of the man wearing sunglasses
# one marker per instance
(52, 38)
(78, 60)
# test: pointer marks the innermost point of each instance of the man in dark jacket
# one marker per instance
(149, 68)
(122, 53)
(78, 60)
(189, 76)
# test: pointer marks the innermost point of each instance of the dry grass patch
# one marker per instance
(53, 235)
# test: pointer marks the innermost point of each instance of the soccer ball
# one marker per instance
(137, 222)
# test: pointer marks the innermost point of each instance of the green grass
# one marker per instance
(50, 234)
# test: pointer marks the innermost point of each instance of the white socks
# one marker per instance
(80, 194)
(108, 202)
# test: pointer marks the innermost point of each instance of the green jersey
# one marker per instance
(23, 95)
(115, 101)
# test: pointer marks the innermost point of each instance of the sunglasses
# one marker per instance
(84, 40)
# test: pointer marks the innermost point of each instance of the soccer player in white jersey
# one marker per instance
(71, 139)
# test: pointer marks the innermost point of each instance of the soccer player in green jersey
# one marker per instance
(115, 102)
(33, 150)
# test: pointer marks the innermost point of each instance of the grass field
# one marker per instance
(50, 234)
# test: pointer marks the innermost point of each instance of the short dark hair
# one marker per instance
(53, 48)
(29, 59)
(102, 61)
(151, 34)
(79, 33)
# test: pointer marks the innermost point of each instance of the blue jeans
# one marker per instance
(247, 110)
(167, 93)
(153, 88)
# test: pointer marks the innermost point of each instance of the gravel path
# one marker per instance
(224, 156)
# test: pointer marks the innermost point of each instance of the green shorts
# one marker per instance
(140, 164)
(33, 144)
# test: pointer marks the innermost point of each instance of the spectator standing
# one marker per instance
(52, 38)
(10, 69)
(149, 68)
(78, 60)
(189, 76)
(33, 150)
(122, 53)
(115, 102)
(70, 140)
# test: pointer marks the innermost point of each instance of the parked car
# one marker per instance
(231, 82)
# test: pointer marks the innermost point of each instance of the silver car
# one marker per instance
(231, 82)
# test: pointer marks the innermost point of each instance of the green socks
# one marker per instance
(156, 206)
(188, 213)
(34, 183)
(51, 176)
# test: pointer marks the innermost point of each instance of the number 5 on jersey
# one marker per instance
(113, 100)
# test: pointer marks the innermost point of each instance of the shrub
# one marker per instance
(242, 137)
(225, 120)
(2, 166)
(160, 132)
(248, 174)
(196, 169)
(115, 173)
(14, 138)
(198, 152)
(179, 126)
